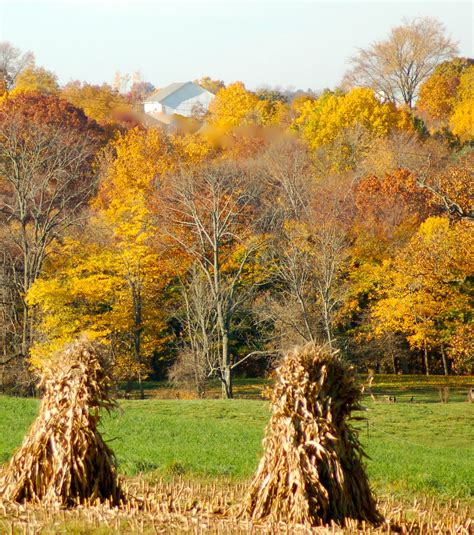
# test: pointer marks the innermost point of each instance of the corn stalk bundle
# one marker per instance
(64, 459)
(312, 470)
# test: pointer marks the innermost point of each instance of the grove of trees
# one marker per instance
(344, 217)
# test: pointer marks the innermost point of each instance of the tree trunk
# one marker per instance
(227, 383)
(226, 367)
(140, 385)
(137, 333)
(25, 331)
(445, 362)
(327, 319)
(425, 357)
(305, 316)
(25, 286)
(404, 364)
(223, 322)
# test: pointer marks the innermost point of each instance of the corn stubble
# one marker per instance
(183, 506)
(312, 470)
(64, 459)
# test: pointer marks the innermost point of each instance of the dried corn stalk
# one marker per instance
(312, 472)
(64, 459)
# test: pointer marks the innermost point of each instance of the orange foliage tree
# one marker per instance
(438, 93)
(47, 148)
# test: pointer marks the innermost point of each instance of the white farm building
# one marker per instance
(186, 99)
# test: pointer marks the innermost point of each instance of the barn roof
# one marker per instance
(164, 93)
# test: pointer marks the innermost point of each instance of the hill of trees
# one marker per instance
(343, 217)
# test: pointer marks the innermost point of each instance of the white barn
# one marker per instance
(183, 99)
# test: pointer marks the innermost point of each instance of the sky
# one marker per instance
(287, 44)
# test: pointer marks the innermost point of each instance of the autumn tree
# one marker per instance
(396, 67)
(142, 158)
(403, 149)
(198, 349)
(12, 63)
(451, 188)
(46, 151)
(309, 260)
(121, 81)
(321, 121)
(107, 283)
(36, 79)
(111, 280)
(461, 348)
(461, 121)
(437, 95)
(101, 103)
(206, 211)
(211, 85)
(233, 105)
(447, 99)
(342, 127)
(425, 290)
(297, 101)
(390, 209)
(444, 181)
(285, 170)
(272, 107)
(139, 91)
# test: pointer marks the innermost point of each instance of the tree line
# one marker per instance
(342, 217)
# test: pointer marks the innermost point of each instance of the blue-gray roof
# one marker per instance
(162, 94)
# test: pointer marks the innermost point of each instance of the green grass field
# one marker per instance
(420, 448)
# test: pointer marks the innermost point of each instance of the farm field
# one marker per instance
(419, 451)
(422, 446)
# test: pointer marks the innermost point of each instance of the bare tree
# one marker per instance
(286, 169)
(309, 278)
(309, 260)
(207, 212)
(330, 262)
(199, 352)
(396, 67)
(12, 62)
(294, 277)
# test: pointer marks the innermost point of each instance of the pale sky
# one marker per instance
(290, 44)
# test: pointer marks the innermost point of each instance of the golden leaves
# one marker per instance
(347, 124)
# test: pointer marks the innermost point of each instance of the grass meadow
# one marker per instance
(416, 446)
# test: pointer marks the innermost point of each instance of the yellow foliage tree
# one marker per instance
(270, 112)
(437, 96)
(462, 118)
(109, 288)
(439, 92)
(424, 291)
(36, 79)
(99, 102)
(323, 120)
(233, 106)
